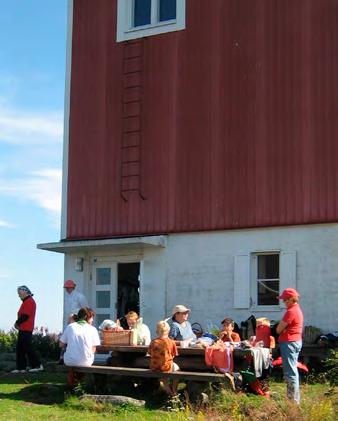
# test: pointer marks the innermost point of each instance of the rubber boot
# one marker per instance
(256, 387)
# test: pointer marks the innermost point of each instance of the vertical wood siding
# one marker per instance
(234, 120)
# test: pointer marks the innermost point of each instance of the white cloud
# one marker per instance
(6, 224)
(41, 187)
(27, 128)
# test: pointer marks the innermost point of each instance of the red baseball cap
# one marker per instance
(69, 284)
(288, 293)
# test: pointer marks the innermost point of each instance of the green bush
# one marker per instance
(47, 346)
(331, 368)
(8, 340)
(327, 371)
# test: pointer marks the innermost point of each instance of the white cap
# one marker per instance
(180, 308)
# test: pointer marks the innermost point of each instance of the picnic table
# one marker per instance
(189, 359)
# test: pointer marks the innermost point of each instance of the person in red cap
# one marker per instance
(290, 330)
(73, 300)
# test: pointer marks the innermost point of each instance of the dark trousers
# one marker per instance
(24, 349)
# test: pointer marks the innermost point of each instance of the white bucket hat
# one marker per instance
(180, 308)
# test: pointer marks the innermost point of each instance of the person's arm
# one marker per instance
(173, 334)
(146, 334)
(62, 344)
(83, 301)
(281, 326)
(225, 336)
(22, 318)
(95, 339)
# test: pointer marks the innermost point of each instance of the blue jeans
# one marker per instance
(290, 352)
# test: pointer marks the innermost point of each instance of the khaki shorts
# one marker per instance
(175, 367)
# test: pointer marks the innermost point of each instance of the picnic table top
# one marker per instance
(140, 349)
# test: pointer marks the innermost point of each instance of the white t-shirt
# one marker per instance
(72, 303)
(80, 339)
(143, 335)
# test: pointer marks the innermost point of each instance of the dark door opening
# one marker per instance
(128, 283)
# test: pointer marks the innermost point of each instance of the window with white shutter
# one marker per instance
(259, 277)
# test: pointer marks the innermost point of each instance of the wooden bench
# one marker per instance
(147, 373)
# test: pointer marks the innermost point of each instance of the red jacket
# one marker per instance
(28, 307)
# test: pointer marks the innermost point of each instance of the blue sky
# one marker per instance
(32, 75)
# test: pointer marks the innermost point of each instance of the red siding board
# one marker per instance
(230, 123)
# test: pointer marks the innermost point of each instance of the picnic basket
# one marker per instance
(122, 337)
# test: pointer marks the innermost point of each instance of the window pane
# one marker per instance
(102, 299)
(167, 10)
(267, 293)
(268, 266)
(103, 276)
(142, 12)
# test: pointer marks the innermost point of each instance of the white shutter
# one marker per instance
(287, 270)
(242, 281)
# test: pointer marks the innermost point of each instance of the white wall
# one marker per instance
(200, 271)
(197, 269)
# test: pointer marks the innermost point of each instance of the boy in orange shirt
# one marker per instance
(227, 334)
(162, 351)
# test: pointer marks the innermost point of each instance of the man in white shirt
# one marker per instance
(73, 300)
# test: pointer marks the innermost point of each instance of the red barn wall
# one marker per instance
(234, 120)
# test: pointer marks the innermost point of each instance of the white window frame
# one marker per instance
(125, 31)
(245, 278)
(255, 282)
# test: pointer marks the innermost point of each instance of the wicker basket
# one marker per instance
(123, 337)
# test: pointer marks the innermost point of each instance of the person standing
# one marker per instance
(25, 325)
(290, 330)
(73, 300)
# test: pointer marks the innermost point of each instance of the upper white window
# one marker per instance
(142, 18)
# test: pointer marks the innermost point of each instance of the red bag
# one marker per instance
(220, 356)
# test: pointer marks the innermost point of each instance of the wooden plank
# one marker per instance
(142, 372)
(144, 349)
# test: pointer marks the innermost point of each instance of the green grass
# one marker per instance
(43, 397)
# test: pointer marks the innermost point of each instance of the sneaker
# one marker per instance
(36, 369)
(18, 371)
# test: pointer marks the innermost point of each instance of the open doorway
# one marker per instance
(128, 283)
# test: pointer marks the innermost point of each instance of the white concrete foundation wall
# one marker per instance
(197, 269)
(200, 271)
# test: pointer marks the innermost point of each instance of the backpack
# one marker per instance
(248, 327)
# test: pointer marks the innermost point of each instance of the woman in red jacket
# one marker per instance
(25, 326)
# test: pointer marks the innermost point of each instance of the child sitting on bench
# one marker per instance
(162, 351)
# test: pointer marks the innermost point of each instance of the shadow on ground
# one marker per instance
(42, 388)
